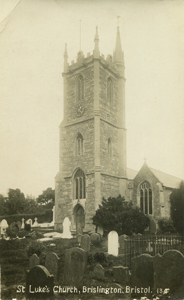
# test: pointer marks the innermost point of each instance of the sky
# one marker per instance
(33, 34)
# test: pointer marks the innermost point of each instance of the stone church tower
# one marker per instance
(92, 136)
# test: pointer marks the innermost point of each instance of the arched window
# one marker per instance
(109, 147)
(109, 90)
(80, 88)
(79, 185)
(146, 198)
(79, 144)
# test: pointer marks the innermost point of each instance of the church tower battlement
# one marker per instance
(92, 158)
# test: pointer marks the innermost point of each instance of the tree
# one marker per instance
(119, 215)
(47, 198)
(15, 202)
(177, 208)
(3, 206)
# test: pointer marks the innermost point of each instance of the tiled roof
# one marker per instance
(131, 173)
(166, 179)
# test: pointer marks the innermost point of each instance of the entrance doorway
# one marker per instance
(79, 218)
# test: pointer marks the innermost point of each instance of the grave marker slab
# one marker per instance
(52, 263)
(142, 271)
(113, 243)
(121, 275)
(169, 271)
(85, 242)
(39, 283)
(94, 237)
(75, 267)
(99, 271)
(34, 260)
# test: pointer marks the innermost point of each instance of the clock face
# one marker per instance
(80, 110)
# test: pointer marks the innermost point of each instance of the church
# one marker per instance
(92, 155)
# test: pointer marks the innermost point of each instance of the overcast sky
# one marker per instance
(32, 39)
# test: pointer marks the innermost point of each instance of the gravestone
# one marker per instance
(100, 230)
(79, 237)
(85, 242)
(3, 226)
(66, 229)
(34, 260)
(99, 271)
(153, 226)
(39, 283)
(94, 237)
(75, 267)
(142, 272)
(52, 263)
(30, 222)
(122, 243)
(121, 275)
(169, 271)
(14, 228)
(53, 217)
(23, 223)
(113, 243)
(35, 224)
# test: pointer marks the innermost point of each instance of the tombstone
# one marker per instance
(153, 226)
(39, 283)
(142, 272)
(169, 271)
(75, 267)
(3, 226)
(100, 230)
(113, 243)
(149, 248)
(53, 217)
(79, 237)
(94, 237)
(30, 222)
(121, 275)
(34, 260)
(23, 223)
(14, 228)
(52, 263)
(35, 224)
(85, 242)
(122, 243)
(99, 271)
(66, 229)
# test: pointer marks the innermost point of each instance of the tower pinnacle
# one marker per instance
(118, 53)
(65, 59)
(96, 51)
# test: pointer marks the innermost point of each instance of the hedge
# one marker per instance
(47, 216)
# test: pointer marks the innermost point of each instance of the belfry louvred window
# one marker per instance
(79, 144)
(109, 90)
(80, 88)
(146, 198)
(79, 185)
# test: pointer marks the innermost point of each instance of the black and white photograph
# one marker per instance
(92, 149)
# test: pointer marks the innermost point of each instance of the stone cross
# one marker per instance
(113, 243)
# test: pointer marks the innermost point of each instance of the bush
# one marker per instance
(166, 225)
(35, 247)
(120, 215)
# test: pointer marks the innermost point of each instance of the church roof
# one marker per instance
(167, 180)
